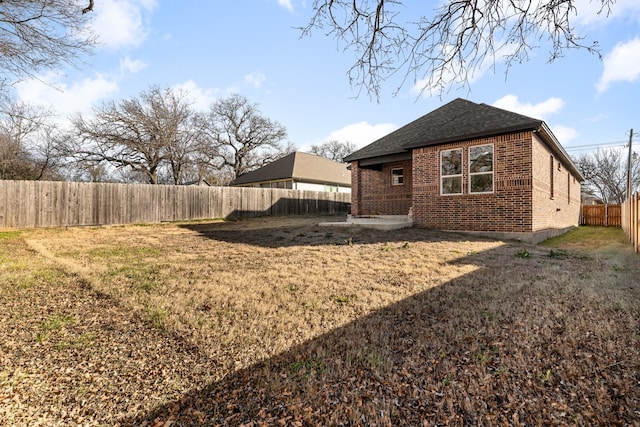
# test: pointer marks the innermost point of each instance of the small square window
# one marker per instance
(397, 176)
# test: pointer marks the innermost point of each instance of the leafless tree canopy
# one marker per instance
(334, 150)
(446, 47)
(147, 135)
(36, 35)
(158, 138)
(605, 171)
(26, 151)
(240, 138)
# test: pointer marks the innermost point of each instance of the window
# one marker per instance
(451, 171)
(397, 176)
(568, 188)
(551, 177)
(481, 169)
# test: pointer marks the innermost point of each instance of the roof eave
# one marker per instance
(557, 148)
(352, 158)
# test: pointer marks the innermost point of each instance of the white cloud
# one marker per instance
(201, 98)
(540, 110)
(64, 99)
(621, 64)
(119, 23)
(286, 4)
(130, 66)
(462, 72)
(255, 79)
(361, 133)
(589, 12)
(564, 134)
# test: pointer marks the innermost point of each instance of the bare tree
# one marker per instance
(142, 134)
(25, 145)
(446, 47)
(605, 174)
(37, 35)
(238, 137)
(334, 150)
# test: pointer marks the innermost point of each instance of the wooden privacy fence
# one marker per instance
(25, 204)
(603, 215)
(631, 220)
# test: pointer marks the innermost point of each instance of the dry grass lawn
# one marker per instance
(277, 321)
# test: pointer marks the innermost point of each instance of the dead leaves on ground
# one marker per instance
(507, 341)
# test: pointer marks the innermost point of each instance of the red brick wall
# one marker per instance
(507, 209)
(373, 194)
(518, 204)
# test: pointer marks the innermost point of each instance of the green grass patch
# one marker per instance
(52, 324)
(156, 317)
(308, 367)
(588, 237)
(9, 235)
(85, 340)
(140, 277)
(125, 252)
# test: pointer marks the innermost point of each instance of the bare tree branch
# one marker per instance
(606, 174)
(25, 148)
(144, 134)
(333, 150)
(238, 137)
(39, 35)
(88, 8)
(447, 47)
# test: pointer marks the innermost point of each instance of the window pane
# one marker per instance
(451, 162)
(452, 185)
(397, 176)
(481, 159)
(482, 183)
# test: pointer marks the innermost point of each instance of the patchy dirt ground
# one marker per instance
(277, 321)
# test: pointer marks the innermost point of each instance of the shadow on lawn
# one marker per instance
(495, 346)
(251, 233)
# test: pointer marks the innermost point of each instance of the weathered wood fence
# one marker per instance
(26, 204)
(603, 215)
(631, 220)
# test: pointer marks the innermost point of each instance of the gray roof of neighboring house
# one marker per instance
(457, 120)
(300, 167)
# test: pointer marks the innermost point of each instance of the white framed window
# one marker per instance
(451, 171)
(397, 176)
(481, 169)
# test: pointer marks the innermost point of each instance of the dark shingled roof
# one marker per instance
(457, 120)
(301, 167)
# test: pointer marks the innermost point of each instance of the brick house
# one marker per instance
(473, 168)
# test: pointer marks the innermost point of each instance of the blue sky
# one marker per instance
(216, 48)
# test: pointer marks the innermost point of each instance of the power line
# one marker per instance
(612, 144)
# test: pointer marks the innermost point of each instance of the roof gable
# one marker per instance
(457, 120)
(300, 167)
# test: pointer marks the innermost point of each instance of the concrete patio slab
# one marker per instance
(376, 222)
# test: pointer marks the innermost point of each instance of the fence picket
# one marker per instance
(631, 220)
(601, 215)
(26, 204)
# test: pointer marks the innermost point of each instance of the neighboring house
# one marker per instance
(201, 182)
(299, 171)
(470, 167)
